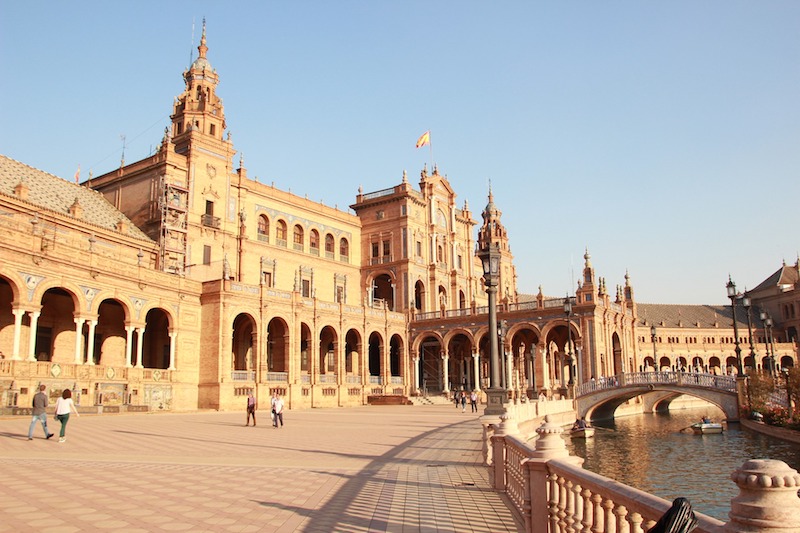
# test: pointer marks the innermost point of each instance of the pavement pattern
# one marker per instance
(364, 469)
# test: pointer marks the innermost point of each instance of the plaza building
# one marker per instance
(177, 282)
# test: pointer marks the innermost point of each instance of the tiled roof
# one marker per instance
(786, 275)
(692, 316)
(52, 193)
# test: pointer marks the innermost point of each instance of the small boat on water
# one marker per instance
(582, 433)
(706, 428)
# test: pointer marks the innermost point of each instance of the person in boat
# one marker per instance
(580, 424)
(706, 420)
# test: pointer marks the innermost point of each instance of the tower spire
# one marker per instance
(202, 49)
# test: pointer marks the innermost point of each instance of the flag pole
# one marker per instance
(430, 149)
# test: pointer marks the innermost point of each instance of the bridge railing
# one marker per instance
(709, 381)
(553, 494)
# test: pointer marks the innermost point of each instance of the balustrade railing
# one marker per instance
(711, 381)
(243, 375)
(327, 378)
(552, 493)
(278, 377)
(375, 380)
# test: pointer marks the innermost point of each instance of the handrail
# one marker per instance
(552, 493)
(632, 379)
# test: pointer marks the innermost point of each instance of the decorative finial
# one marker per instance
(405, 176)
(203, 48)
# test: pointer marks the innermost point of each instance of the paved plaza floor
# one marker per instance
(364, 469)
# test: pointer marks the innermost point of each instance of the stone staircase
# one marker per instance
(431, 400)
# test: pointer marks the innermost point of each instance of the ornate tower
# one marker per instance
(494, 230)
(198, 112)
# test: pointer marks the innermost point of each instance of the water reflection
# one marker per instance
(651, 453)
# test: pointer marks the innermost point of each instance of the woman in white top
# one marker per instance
(64, 406)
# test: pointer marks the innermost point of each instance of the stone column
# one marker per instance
(90, 344)
(476, 370)
(78, 336)
(33, 330)
(530, 358)
(128, 344)
(445, 372)
(509, 368)
(18, 314)
(172, 336)
(416, 373)
(139, 347)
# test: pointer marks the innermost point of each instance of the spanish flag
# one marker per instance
(424, 139)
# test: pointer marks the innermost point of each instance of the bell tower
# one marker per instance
(198, 114)
(494, 231)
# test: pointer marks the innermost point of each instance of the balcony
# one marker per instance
(210, 221)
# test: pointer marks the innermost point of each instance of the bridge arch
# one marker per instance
(599, 400)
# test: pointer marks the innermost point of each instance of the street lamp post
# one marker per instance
(746, 305)
(495, 395)
(767, 321)
(731, 286)
(653, 338)
(785, 372)
(568, 312)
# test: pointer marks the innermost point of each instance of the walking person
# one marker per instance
(40, 403)
(251, 408)
(463, 402)
(277, 408)
(64, 406)
(473, 401)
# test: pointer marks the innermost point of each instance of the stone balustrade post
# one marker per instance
(767, 499)
(549, 445)
(507, 426)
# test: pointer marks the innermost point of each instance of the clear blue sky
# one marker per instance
(663, 136)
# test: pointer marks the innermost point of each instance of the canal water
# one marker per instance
(651, 453)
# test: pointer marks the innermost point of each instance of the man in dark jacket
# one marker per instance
(40, 403)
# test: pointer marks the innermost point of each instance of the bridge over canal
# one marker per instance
(599, 399)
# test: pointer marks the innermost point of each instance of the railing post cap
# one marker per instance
(550, 445)
(766, 474)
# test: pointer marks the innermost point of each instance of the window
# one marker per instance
(375, 249)
(208, 218)
(329, 246)
(313, 242)
(344, 250)
(459, 262)
(267, 277)
(297, 238)
(263, 228)
(419, 248)
(306, 288)
(206, 255)
(280, 233)
(212, 129)
(387, 248)
(403, 210)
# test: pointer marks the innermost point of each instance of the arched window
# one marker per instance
(297, 239)
(280, 233)
(329, 246)
(263, 228)
(344, 250)
(313, 242)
